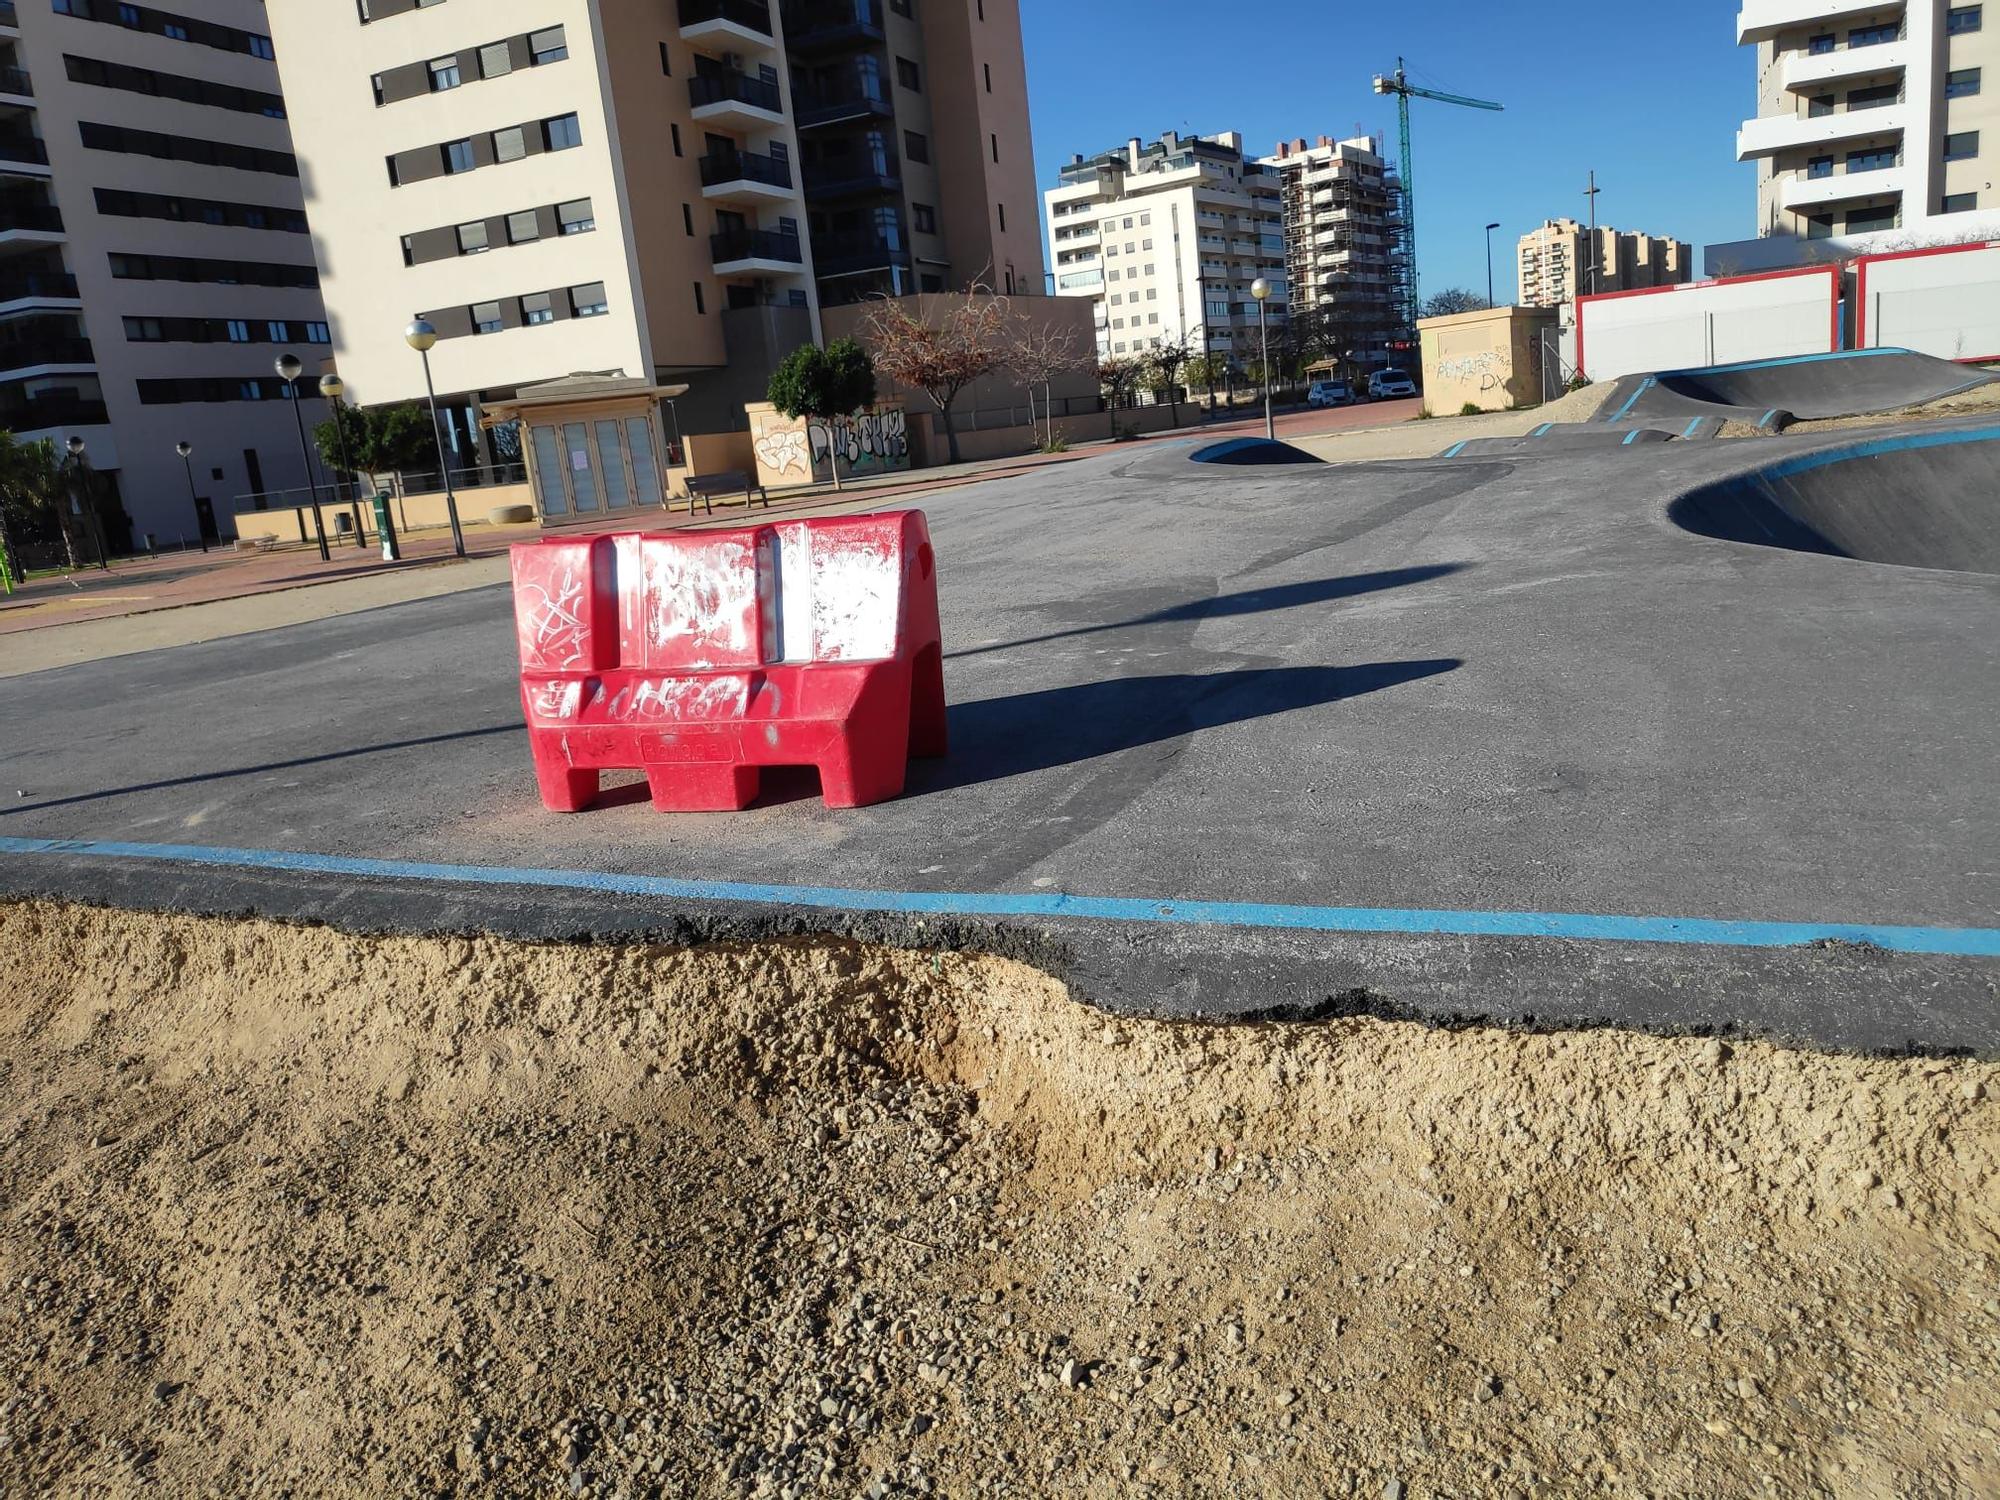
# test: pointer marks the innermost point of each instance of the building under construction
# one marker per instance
(1345, 261)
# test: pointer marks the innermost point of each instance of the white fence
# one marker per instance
(1731, 321)
(1943, 301)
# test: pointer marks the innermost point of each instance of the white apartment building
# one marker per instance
(1345, 262)
(1564, 260)
(1166, 238)
(1875, 128)
(154, 256)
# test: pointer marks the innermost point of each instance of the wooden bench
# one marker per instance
(705, 487)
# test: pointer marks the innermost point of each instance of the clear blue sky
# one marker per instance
(1649, 95)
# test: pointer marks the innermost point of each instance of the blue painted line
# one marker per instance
(1543, 430)
(1632, 437)
(1644, 386)
(1874, 447)
(1693, 423)
(1765, 420)
(1453, 450)
(1790, 359)
(1960, 942)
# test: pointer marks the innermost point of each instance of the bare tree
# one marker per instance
(1038, 354)
(1164, 364)
(942, 353)
(1119, 377)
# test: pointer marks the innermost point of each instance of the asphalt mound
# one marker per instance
(1773, 393)
(1927, 500)
(1252, 451)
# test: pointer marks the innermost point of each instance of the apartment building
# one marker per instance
(1344, 249)
(154, 255)
(1874, 127)
(667, 190)
(1564, 260)
(1166, 238)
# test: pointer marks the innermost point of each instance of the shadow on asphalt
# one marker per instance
(1001, 737)
(35, 805)
(1248, 602)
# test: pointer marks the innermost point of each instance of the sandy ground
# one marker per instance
(1980, 400)
(292, 1212)
(1427, 439)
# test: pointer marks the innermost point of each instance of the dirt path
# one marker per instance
(288, 1211)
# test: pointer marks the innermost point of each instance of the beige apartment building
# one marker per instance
(1344, 247)
(1874, 124)
(670, 190)
(154, 256)
(1166, 238)
(1564, 260)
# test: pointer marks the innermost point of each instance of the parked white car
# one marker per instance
(1330, 393)
(1387, 385)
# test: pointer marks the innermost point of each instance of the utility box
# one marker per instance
(1491, 359)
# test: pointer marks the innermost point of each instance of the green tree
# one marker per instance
(1165, 365)
(32, 495)
(1210, 370)
(380, 439)
(1451, 300)
(825, 386)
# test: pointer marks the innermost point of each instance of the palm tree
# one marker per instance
(31, 490)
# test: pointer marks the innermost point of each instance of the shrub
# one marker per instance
(1471, 409)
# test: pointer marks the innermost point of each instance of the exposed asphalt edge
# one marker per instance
(1830, 996)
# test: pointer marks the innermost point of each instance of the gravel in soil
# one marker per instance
(288, 1211)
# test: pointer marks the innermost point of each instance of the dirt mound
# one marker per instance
(296, 1212)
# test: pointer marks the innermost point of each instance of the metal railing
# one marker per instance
(745, 166)
(739, 88)
(16, 81)
(45, 218)
(37, 284)
(752, 14)
(754, 244)
(27, 353)
(8, 16)
(838, 24)
(812, 107)
(23, 148)
(35, 416)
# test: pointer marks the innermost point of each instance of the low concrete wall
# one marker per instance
(411, 513)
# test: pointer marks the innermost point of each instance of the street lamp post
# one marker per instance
(186, 450)
(83, 504)
(1261, 290)
(288, 367)
(1489, 263)
(333, 388)
(422, 337)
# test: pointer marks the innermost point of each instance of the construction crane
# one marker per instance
(1405, 91)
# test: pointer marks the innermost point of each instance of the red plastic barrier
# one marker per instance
(701, 657)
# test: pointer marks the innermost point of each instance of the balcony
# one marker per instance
(1802, 192)
(728, 25)
(834, 180)
(746, 177)
(52, 353)
(1774, 135)
(857, 255)
(1825, 72)
(812, 108)
(735, 100)
(44, 286)
(16, 85)
(1761, 20)
(61, 412)
(10, 19)
(833, 25)
(745, 252)
(41, 220)
(24, 154)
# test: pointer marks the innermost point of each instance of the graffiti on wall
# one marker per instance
(1488, 368)
(790, 451)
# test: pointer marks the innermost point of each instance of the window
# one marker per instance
(1875, 36)
(523, 227)
(993, 141)
(237, 330)
(666, 61)
(1961, 83)
(1878, 97)
(548, 46)
(472, 238)
(1145, 219)
(988, 69)
(510, 144)
(1001, 209)
(676, 129)
(562, 132)
(444, 74)
(916, 147)
(1962, 145)
(1874, 160)
(699, 305)
(1960, 203)
(588, 301)
(457, 157)
(318, 333)
(1964, 18)
(1819, 166)
(576, 217)
(486, 317)
(1822, 44)
(375, 83)
(1869, 220)
(496, 60)
(908, 75)
(924, 218)
(538, 308)
(1819, 104)
(409, 250)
